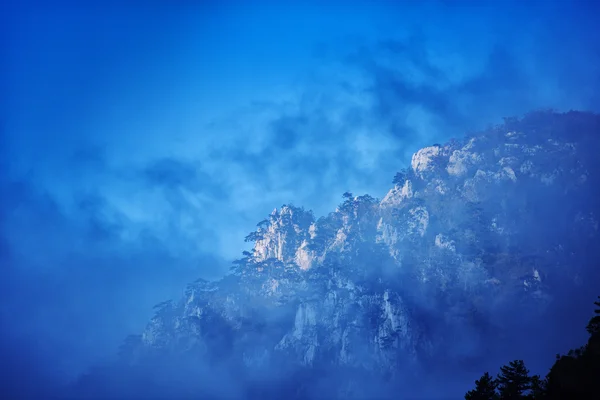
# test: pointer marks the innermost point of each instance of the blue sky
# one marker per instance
(141, 142)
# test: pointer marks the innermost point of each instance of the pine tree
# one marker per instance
(538, 388)
(593, 327)
(401, 177)
(485, 389)
(513, 380)
(573, 376)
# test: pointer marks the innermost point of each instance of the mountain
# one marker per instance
(480, 243)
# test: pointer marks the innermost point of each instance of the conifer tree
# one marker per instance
(401, 177)
(485, 389)
(573, 376)
(538, 388)
(513, 380)
(593, 327)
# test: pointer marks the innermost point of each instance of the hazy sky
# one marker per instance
(140, 143)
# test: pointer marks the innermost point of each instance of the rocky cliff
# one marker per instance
(474, 229)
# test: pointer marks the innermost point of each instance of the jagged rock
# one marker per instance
(283, 234)
(475, 225)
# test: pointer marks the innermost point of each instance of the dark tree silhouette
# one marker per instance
(513, 380)
(538, 387)
(400, 177)
(485, 389)
(573, 376)
(593, 327)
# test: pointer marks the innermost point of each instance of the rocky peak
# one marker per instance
(497, 221)
(282, 234)
(426, 161)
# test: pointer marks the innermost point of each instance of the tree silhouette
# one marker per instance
(538, 387)
(513, 380)
(401, 177)
(593, 327)
(573, 376)
(485, 389)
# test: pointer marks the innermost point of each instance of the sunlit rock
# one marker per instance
(474, 230)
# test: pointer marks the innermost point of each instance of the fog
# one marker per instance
(139, 145)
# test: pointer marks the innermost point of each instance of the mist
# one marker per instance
(139, 145)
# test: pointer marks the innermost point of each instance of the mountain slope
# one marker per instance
(478, 236)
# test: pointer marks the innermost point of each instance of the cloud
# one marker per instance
(117, 188)
(423, 86)
(173, 174)
(454, 90)
(74, 280)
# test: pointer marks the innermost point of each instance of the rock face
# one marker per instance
(380, 288)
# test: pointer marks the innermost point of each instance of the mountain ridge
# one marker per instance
(355, 302)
